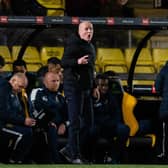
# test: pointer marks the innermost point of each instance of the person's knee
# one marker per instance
(145, 126)
(123, 131)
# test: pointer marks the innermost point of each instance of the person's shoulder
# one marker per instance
(31, 75)
(4, 84)
(164, 68)
(73, 38)
(3, 80)
(34, 93)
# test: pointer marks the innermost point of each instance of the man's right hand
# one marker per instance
(30, 122)
(83, 60)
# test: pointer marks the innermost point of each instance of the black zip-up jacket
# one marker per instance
(11, 110)
(79, 76)
(52, 105)
(161, 85)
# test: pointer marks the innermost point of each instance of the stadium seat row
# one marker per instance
(116, 59)
(149, 61)
(34, 58)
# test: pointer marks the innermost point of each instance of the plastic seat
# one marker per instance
(143, 82)
(31, 67)
(128, 103)
(47, 52)
(115, 68)
(54, 7)
(144, 63)
(160, 56)
(7, 67)
(5, 52)
(113, 58)
(31, 54)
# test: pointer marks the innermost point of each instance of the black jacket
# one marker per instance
(161, 85)
(50, 106)
(79, 76)
(11, 109)
(107, 110)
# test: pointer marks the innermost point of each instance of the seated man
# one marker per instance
(15, 123)
(54, 65)
(108, 118)
(50, 112)
(21, 66)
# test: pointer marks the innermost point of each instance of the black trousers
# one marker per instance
(80, 116)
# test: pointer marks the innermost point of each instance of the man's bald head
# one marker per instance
(18, 82)
(51, 81)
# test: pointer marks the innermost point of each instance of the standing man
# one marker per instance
(161, 86)
(78, 63)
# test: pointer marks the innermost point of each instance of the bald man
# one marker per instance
(15, 119)
(78, 63)
(50, 112)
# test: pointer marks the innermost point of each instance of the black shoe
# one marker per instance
(66, 153)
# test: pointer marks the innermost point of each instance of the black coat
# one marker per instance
(52, 105)
(161, 85)
(79, 76)
(11, 109)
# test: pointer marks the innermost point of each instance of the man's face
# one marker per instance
(52, 81)
(18, 84)
(86, 31)
(56, 69)
(103, 86)
(19, 69)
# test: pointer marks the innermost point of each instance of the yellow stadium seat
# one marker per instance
(143, 82)
(111, 57)
(144, 63)
(128, 104)
(150, 12)
(160, 56)
(145, 69)
(7, 67)
(54, 7)
(115, 68)
(4, 51)
(31, 54)
(47, 52)
(33, 67)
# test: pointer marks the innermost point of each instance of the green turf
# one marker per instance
(81, 166)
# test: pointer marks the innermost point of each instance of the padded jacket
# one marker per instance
(11, 109)
(78, 76)
(52, 107)
(161, 86)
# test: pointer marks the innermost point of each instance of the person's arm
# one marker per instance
(69, 58)
(159, 82)
(3, 102)
(45, 103)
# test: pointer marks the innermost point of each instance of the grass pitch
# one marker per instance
(80, 166)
